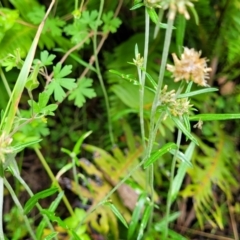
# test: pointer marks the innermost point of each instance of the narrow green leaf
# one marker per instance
(51, 236)
(52, 208)
(117, 213)
(151, 80)
(51, 216)
(136, 50)
(178, 179)
(77, 146)
(180, 125)
(144, 222)
(19, 147)
(180, 32)
(159, 226)
(64, 169)
(195, 14)
(40, 195)
(181, 156)
(152, 14)
(76, 237)
(187, 122)
(137, 6)
(194, 93)
(156, 155)
(126, 76)
(174, 235)
(136, 215)
(215, 117)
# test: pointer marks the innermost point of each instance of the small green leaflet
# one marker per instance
(37, 14)
(111, 23)
(41, 106)
(82, 92)
(46, 59)
(59, 82)
(90, 18)
(78, 31)
(54, 26)
(51, 216)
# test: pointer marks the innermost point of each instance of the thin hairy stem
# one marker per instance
(162, 71)
(76, 4)
(143, 77)
(100, 76)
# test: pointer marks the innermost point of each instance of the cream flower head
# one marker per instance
(190, 67)
(174, 6)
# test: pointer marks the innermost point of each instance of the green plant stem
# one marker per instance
(76, 4)
(152, 133)
(1, 207)
(150, 169)
(18, 204)
(5, 82)
(53, 179)
(100, 75)
(169, 200)
(162, 67)
(157, 27)
(150, 179)
(143, 77)
(75, 175)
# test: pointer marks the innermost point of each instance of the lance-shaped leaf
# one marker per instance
(156, 155)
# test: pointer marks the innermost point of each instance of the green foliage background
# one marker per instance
(210, 187)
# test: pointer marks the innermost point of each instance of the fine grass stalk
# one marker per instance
(100, 75)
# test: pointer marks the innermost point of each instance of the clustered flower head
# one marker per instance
(174, 6)
(190, 67)
(138, 61)
(176, 107)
